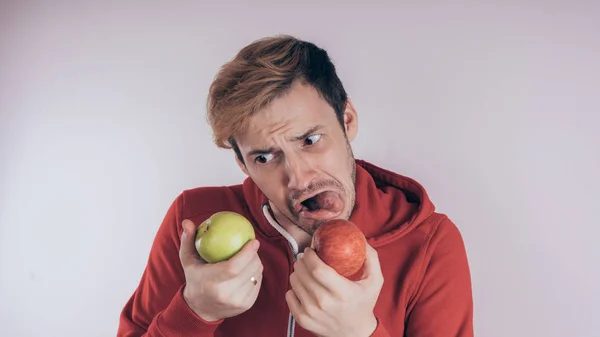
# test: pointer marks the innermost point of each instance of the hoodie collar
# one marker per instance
(388, 205)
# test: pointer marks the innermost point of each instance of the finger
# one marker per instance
(305, 297)
(246, 291)
(243, 279)
(187, 251)
(372, 268)
(294, 305)
(241, 259)
(302, 280)
(323, 274)
(252, 294)
(297, 310)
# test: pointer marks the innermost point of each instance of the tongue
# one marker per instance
(329, 201)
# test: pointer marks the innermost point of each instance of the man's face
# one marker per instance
(296, 151)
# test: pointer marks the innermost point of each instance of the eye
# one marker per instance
(312, 139)
(264, 158)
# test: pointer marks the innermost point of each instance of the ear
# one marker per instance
(240, 164)
(350, 121)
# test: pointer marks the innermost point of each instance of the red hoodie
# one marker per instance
(427, 285)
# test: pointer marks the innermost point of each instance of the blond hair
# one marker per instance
(261, 72)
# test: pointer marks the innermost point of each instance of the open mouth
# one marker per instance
(321, 206)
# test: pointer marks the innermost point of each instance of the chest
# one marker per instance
(270, 315)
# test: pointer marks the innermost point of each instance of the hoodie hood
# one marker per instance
(388, 205)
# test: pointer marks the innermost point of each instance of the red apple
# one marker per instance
(342, 246)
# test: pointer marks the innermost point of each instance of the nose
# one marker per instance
(299, 172)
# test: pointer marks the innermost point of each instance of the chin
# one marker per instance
(311, 225)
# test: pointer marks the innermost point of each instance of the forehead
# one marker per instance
(291, 114)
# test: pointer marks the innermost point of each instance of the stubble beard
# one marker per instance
(311, 228)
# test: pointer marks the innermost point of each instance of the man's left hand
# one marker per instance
(328, 304)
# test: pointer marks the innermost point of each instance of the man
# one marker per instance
(283, 110)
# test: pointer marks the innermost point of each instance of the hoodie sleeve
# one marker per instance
(157, 307)
(442, 305)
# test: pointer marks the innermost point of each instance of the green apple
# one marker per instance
(222, 235)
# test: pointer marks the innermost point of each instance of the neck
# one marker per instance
(302, 238)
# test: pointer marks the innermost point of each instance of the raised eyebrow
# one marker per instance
(261, 151)
(307, 133)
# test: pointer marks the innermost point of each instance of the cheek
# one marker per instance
(270, 183)
(336, 159)
(340, 165)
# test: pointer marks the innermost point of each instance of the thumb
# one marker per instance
(187, 251)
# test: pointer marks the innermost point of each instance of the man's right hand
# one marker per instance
(219, 290)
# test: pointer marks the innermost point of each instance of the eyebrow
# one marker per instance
(261, 151)
(307, 133)
(271, 149)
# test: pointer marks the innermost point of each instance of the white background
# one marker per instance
(493, 107)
